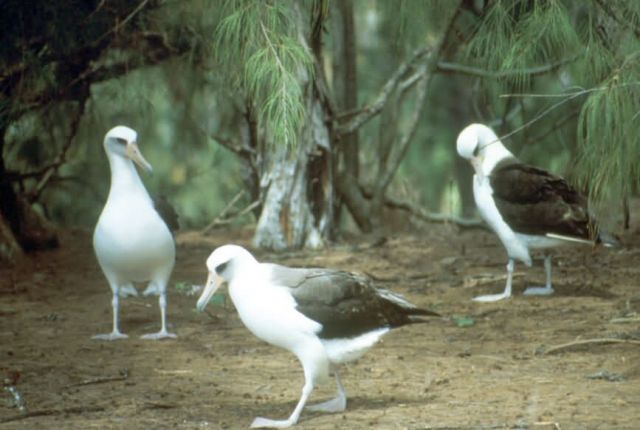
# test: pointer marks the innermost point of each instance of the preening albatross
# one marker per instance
(323, 316)
(527, 207)
(131, 240)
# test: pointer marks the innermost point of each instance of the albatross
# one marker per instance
(131, 240)
(324, 317)
(527, 207)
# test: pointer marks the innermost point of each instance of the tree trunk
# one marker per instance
(21, 227)
(9, 220)
(10, 250)
(297, 186)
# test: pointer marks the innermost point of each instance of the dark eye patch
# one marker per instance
(476, 151)
(121, 140)
(220, 268)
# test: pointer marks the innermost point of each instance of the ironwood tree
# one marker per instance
(323, 100)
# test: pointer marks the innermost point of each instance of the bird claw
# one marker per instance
(538, 291)
(339, 404)
(127, 291)
(491, 298)
(110, 336)
(152, 289)
(260, 422)
(160, 335)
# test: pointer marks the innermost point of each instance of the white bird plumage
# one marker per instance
(131, 241)
(542, 207)
(305, 311)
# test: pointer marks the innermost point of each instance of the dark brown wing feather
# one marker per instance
(345, 303)
(534, 201)
(167, 213)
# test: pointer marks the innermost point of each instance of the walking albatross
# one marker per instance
(323, 316)
(527, 207)
(131, 240)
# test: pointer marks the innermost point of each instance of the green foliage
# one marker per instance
(254, 51)
(600, 83)
(517, 35)
(609, 133)
(259, 47)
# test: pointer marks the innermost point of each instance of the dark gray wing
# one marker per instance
(167, 213)
(346, 304)
(534, 201)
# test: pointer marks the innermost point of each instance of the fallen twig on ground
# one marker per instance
(624, 320)
(124, 374)
(596, 341)
(48, 412)
(524, 426)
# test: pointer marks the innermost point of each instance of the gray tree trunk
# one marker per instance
(297, 186)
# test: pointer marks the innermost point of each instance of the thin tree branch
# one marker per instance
(391, 167)
(48, 412)
(229, 217)
(425, 215)
(556, 125)
(434, 217)
(362, 116)
(543, 113)
(81, 83)
(425, 72)
(224, 212)
(49, 171)
(606, 7)
(444, 67)
(123, 23)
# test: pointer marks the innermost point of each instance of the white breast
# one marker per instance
(514, 244)
(269, 312)
(131, 241)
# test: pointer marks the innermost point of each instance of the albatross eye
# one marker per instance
(121, 140)
(476, 151)
(220, 268)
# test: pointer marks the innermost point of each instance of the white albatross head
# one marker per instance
(122, 141)
(223, 264)
(480, 145)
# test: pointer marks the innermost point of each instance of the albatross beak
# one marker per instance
(476, 162)
(213, 282)
(133, 152)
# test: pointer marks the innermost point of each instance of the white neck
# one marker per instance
(493, 149)
(124, 177)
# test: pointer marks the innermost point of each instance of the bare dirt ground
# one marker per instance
(483, 367)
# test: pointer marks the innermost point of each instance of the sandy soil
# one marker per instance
(483, 367)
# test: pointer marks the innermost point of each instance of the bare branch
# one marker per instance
(423, 77)
(434, 217)
(49, 412)
(121, 24)
(224, 212)
(227, 216)
(606, 7)
(374, 108)
(559, 123)
(445, 67)
(49, 171)
(384, 178)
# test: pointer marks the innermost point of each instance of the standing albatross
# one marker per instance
(527, 207)
(132, 241)
(323, 316)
